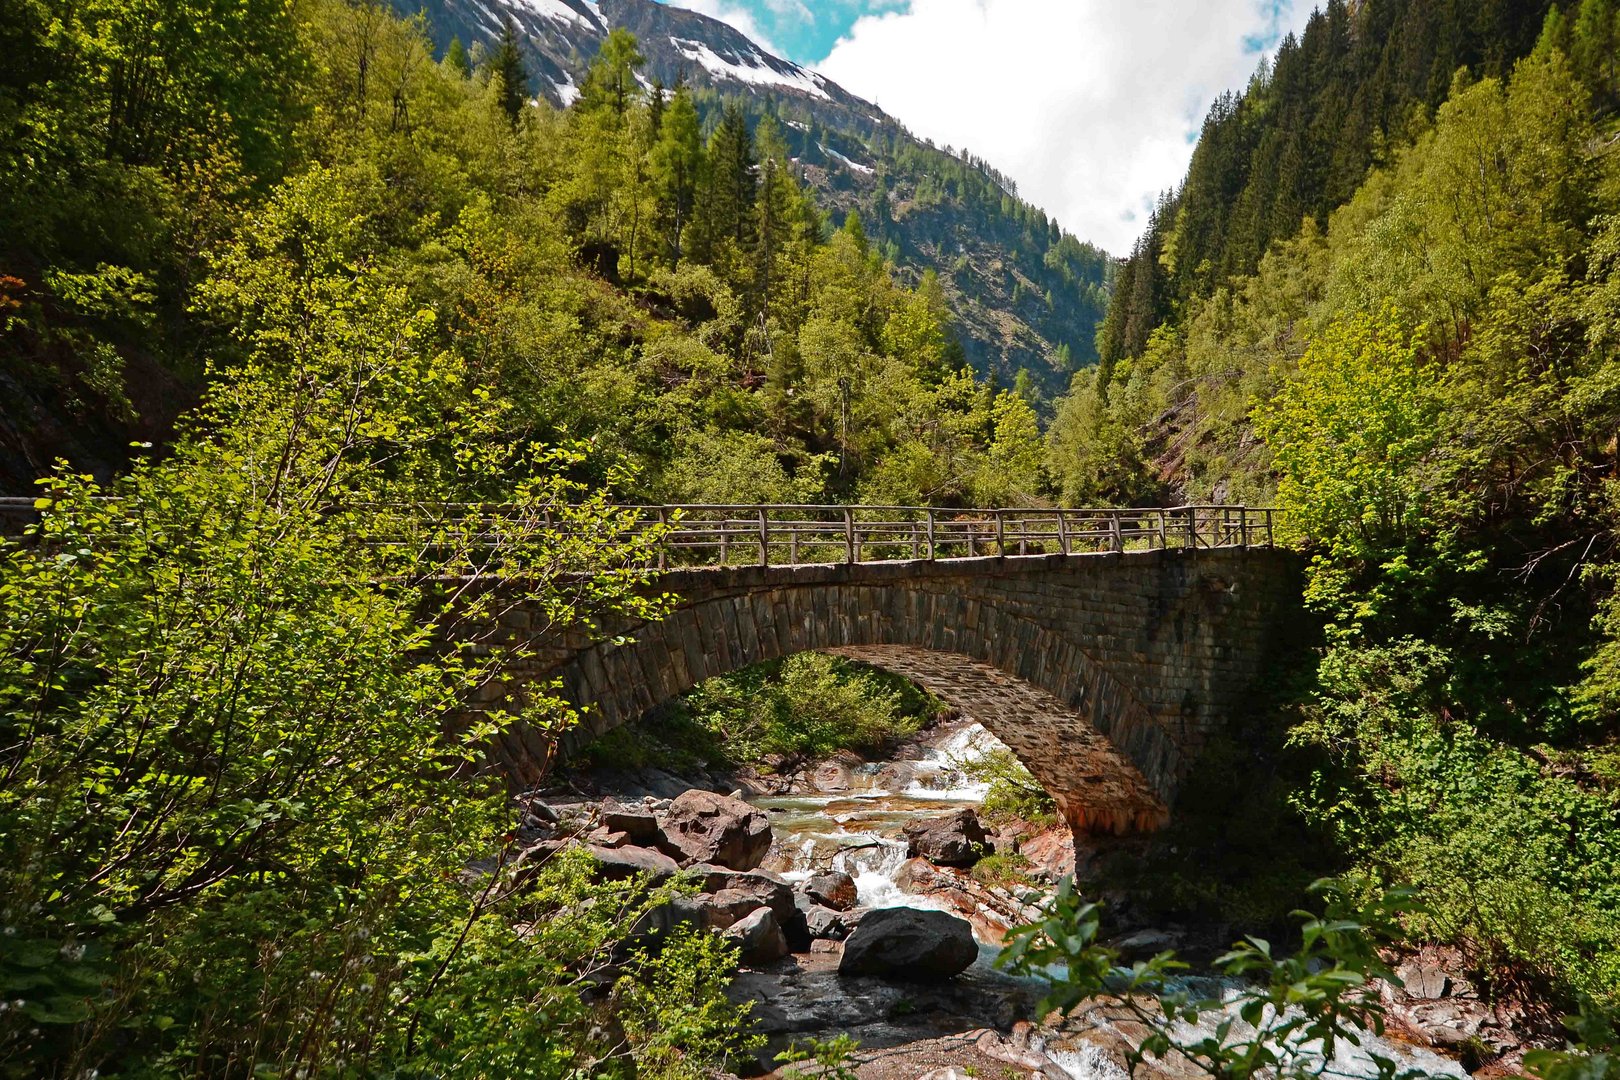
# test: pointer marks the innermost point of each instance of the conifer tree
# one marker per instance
(506, 65)
(678, 167)
(611, 80)
(733, 180)
(455, 54)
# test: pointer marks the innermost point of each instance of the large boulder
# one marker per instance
(760, 937)
(763, 889)
(957, 840)
(702, 827)
(637, 822)
(907, 943)
(619, 864)
(834, 889)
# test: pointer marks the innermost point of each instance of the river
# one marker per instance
(857, 829)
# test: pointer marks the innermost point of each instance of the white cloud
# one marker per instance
(1091, 106)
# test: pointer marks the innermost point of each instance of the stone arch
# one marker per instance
(1082, 733)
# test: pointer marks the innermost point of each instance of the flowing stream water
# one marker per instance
(857, 829)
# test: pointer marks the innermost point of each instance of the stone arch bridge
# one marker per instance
(1103, 647)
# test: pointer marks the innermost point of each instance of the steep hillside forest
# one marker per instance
(620, 274)
(1387, 297)
(1025, 296)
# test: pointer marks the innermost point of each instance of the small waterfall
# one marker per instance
(940, 775)
(875, 866)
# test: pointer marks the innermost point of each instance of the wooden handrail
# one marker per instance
(768, 534)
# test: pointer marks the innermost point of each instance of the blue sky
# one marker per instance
(1091, 106)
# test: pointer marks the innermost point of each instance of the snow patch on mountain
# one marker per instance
(567, 92)
(757, 71)
(865, 170)
(578, 12)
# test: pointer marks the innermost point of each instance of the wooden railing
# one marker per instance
(771, 535)
(796, 535)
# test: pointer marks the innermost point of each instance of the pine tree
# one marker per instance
(506, 65)
(455, 55)
(611, 80)
(678, 168)
(733, 180)
(1594, 41)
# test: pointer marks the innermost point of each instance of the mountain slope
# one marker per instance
(1027, 296)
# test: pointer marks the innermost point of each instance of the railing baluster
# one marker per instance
(663, 537)
(932, 553)
(764, 537)
(1001, 534)
(850, 554)
(1063, 534)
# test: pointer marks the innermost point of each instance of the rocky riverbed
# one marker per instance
(849, 887)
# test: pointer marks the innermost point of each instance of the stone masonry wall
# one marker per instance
(1105, 673)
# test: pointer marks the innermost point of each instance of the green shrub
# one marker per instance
(1014, 791)
(1003, 870)
(806, 706)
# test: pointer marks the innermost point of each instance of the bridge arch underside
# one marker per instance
(1106, 760)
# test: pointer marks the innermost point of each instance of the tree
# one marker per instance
(610, 82)
(677, 162)
(507, 69)
(733, 179)
(455, 54)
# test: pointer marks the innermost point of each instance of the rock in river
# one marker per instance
(834, 889)
(957, 840)
(702, 827)
(908, 943)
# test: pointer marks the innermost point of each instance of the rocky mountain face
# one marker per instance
(1027, 296)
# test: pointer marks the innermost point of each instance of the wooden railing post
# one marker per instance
(1243, 526)
(764, 537)
(663, 537)
(1116, 534)
(932, 552)
(1063, 534)
(725, 538)
(850, 554)
(1001, 534)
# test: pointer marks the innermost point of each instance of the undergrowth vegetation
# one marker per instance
(778, 714)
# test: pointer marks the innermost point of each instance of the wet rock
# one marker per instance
(1145, 944)
(834, 889)
(957, 840)
(618, 864)
(896, 775)
(760, 937)
(636, 822)
(702, 827)
(825, 923)
(909, 943)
